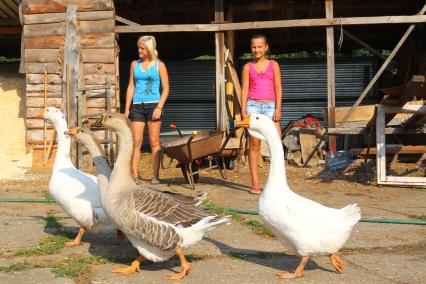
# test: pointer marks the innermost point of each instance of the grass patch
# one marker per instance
(15, 267)
(53, 245)
(256, 226)
(78, 267)
(193, 257)
(259, 228)
(48, 197)
(53, 221)
(418, 217)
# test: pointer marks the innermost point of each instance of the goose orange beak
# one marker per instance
(73, 132)
(244, 123)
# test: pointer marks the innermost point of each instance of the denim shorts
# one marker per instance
(265, 108)
(143, 112)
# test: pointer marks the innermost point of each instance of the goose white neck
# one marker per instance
(122, 168)
(64, 143)
(277, 174)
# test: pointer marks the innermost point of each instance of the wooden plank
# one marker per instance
(391, 150)
(331, 85)
(41, 94)
(38, 102)
(220, 69)
(38, 68)
(125, 21)
(98, 40)
(39, 79)
(40, 87)
(10, 30)
(33, 113)
(45, 18)
(99, 68)
(363, 130)
(420, 109)
(308, 144)
(54, 41)
(272, 24)
(382, 68)
(7, 10)
(57, 6)
(98, 55)
(42, 55)
(360, 113)
(95, 79)
(84, 27)
(414, 86)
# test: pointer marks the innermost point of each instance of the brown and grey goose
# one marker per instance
(103, 168)
(156, 224)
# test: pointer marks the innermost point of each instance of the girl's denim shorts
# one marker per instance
(265, 108)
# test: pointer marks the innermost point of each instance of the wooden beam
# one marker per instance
(72, 59)
(214, 27)
(382, 68)
(362, 43)
(57, 6)
(125, 21)
(47, 18)
(10, 30)
(394, 149)
(221, 123)
(331, 86)
(364, 130)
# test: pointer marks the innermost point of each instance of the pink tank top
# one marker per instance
(261, 85)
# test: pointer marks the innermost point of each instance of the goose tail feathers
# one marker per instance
(352, 213)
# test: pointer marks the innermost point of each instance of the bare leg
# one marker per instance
(254, 150)
(337, 262)
(137, 129)
(186, 267)
(297, 273)
(77, 240)
(154, 142)
(132, 268)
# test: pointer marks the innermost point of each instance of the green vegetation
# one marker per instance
(9, 60)
(15, 267)
(48, 197)
(256, 226)
(260, 254)
(418, 217)
(197, 257)
(76, 266)
(204, 57)
(54, 244)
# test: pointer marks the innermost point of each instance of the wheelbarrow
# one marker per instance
(188, 148)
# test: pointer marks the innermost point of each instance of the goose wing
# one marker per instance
(165, 208)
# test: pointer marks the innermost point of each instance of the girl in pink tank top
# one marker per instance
(261, 93)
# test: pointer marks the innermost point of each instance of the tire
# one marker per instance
(194, 169)
(165, 160)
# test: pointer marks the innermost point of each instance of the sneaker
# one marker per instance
(155, 181)
(136, 180)
(255, 190)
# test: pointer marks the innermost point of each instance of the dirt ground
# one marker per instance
(32, 234)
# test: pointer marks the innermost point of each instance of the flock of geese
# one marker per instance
(162, 224)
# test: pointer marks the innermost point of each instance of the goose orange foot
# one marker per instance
(72, 244)
(186, 267)
(77, 240)
(337, 262)
(132, 268)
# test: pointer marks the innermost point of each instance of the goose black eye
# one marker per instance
(257, 117)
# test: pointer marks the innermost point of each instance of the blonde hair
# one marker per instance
(151, 46)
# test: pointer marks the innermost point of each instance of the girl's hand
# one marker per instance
(277, 115)
(243, 115)
(126, 113)
(157, 113)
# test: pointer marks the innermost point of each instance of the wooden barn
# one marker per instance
(97, 40)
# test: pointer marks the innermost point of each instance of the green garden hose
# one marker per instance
(237, 210)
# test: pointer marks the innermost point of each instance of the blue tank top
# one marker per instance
(147, 84)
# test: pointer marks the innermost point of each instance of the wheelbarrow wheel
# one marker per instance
(165, 160)
(194, 168)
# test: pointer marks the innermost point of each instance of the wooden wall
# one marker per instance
(44, 37)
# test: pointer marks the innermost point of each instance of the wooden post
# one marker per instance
(331, 91)
(45, 124)
(220, 68)
(72, 59)
(385, 64)
(230, 35)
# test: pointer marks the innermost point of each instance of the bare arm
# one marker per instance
(278, 92)
(244, 90)
(130, 90)
(164, 77)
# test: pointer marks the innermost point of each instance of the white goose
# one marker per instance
(157, 225)
(303, 226)
(75, 191)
